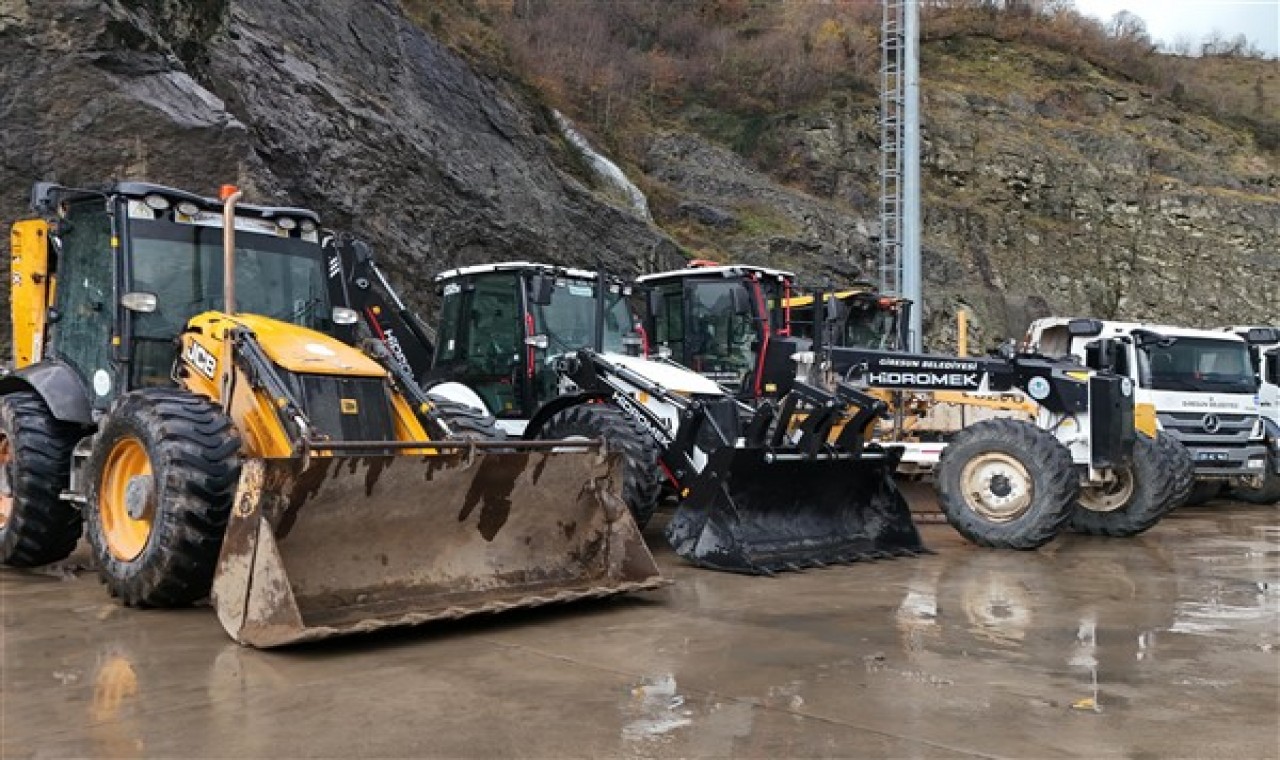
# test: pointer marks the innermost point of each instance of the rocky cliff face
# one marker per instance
(1050, 186)
(344, 106)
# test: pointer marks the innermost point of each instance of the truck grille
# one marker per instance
(1197, 429)
(1219, 443)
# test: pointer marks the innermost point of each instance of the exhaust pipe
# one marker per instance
(229, 194)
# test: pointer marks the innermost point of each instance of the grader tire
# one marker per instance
(642, 476)
(36, 527)
(162, 477)
(1006, 484)
(1143, 494)
(1184, 469)
(1267, 493)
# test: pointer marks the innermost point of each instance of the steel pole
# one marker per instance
(912, 285)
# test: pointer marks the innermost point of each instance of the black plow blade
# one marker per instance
(756, 513)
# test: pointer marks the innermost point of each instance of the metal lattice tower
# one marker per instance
(892, 95)
(900, 157)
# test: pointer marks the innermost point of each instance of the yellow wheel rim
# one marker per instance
(126, 499)
(6, 480)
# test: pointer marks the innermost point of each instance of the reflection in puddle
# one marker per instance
(1215, 616)
(1085, 657)
(998, 609)
(657, 714)
(113, 717)
(655, 709)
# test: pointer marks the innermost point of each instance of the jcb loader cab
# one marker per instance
(178, 391)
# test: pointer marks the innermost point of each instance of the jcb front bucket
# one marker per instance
(753, 512)
(353, 544)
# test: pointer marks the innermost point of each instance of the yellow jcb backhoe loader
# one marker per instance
(179, 391)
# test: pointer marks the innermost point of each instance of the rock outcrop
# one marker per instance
(1048, 188)
(344, 106)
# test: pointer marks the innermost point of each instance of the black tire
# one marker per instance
(1204, 492)
(1047, 478)
(39, 527)
(192, 450)
(467, 422)
(1146, 490)
(642, 475)
(1267, 493)
(1184, 469)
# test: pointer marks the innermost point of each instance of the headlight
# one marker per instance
(157, 202)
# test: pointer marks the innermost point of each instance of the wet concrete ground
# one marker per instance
(1163, 646)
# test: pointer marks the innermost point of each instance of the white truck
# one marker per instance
(1201, 383)
(1264, 349)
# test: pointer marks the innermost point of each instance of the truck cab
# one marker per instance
(1201, 383)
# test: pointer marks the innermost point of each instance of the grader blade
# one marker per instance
(754, 511)
(353, 544)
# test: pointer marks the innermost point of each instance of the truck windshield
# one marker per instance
(282, 278)
(569, 320)
(1199, 364)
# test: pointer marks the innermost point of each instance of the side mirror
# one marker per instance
(344, 316)
(1103, 355)
(541, 288)
(1084, 328)
(139, 302)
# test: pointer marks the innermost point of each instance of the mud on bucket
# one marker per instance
(352, 544)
